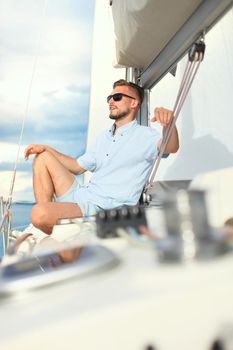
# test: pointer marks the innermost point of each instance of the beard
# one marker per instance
(120, 115)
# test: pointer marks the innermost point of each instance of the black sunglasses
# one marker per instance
(118, 96)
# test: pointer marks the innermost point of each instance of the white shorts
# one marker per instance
(87, 208)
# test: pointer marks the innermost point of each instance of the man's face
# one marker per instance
(121, 108)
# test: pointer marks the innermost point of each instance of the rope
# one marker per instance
(25, 115)
(8, 203)
(195, 58)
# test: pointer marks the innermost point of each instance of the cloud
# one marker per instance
(73, 8)
(27, 19)
(21, 167)
(22, 188)
(63, 57)
(64, 124)
(57, 110)
(8, 151)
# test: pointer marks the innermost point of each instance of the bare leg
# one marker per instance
(45, 215)
(49, 177)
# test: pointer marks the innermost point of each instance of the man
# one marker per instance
(121, 159)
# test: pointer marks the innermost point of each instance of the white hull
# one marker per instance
(133, 304)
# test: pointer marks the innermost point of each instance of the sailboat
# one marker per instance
(133, 291)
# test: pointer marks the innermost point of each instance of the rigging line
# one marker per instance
(190, 72)
(182, 84)
(186, 85)
(25, 115)
(164, 141)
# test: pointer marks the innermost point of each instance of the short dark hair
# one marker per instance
(138, 89)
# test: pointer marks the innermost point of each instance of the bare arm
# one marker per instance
(164, 116)
(68, 162)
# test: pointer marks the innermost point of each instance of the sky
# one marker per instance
(45, 68)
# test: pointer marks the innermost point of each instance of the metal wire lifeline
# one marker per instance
(5, 208)
(196, 55)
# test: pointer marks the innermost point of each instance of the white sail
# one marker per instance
(205, 124)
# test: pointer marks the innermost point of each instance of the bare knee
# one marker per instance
(41, 218)
(41, 159)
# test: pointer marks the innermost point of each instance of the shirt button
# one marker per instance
(114, 140)
(121, 134)
(107, 154)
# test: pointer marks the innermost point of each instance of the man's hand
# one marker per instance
(162, 115)
(33, 149)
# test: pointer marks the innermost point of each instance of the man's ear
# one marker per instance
(135, 104)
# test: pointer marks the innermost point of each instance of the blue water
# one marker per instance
(21, 214)
(20, 217)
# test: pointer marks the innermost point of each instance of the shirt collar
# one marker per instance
(124, 128)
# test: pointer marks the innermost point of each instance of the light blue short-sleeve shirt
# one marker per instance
(120, 163)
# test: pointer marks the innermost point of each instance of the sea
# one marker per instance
(20, 217)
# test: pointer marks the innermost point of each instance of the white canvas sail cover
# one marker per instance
(143, 28)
